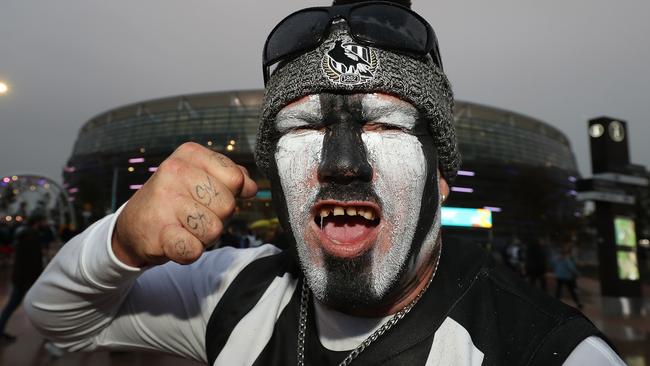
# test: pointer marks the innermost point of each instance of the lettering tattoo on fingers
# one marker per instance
(222, 160)
(181, 248)
(205, 192)
(198, 222)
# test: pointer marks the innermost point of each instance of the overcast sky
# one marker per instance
(561, 61)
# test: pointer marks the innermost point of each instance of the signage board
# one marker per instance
(467, 217)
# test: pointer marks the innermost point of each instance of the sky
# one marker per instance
(561, 61)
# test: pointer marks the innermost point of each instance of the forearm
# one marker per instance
(79, 293)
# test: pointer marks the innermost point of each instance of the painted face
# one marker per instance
(358, 178)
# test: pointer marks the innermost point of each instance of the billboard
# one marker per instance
(625, 232)
(467, 217)
(628, 266)
(626, 259)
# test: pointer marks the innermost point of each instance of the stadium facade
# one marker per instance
(520, 168)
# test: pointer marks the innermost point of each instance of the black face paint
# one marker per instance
(430, 196)
(344, 157)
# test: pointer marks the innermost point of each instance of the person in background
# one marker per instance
(513, 256)
(28, 265)
(6, 250)
(566, 274)
(535, 263)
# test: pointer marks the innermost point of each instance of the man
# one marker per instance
(356, 136)
(27, 266)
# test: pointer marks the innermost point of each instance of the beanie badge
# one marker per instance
(347, 63)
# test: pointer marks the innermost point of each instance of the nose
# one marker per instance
(344, 157)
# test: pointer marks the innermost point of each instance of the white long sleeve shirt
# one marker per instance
(88, 300)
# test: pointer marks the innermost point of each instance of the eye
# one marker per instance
(308, 127)
(378, 127)
(286, 125)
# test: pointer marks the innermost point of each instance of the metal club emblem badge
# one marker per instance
(349, 63)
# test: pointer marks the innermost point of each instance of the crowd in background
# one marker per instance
(535, 258)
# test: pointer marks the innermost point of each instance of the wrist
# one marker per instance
(123, 252)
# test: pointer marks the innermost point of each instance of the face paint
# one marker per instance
(360, 188)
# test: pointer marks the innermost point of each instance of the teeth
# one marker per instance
(365, 212)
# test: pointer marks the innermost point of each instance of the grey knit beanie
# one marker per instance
(414, 79)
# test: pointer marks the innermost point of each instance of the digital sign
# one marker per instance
(625, 232)
(263, 195)
(626, 259)
(467, 217)
(628, 266)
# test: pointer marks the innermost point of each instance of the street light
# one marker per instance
(4, 88)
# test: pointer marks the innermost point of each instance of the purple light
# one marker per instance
(69, 169)
(153, 168)
(462, 190)
(73, 190)
(573, 179)
(573, 193)
(135, 187)
(493, 209)
(41, 182)
(6, 179)
(136, 160)
(466, 173)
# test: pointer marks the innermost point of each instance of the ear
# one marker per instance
(443, 187)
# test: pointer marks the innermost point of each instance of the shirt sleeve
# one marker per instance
(593, 351)
(86, 299)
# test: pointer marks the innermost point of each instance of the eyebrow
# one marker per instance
(300, 114)
(385, 110)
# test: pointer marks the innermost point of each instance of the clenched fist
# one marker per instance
(181, 208)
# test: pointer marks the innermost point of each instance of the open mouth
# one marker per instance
(346, 229)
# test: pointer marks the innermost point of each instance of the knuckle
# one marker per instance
(221, 159)
(237, 180)
(183, 250)
(172, 165)
(244, 170)
(189, 147)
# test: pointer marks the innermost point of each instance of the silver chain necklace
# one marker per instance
(302, 323)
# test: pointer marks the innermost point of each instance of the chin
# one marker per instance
(350, 254)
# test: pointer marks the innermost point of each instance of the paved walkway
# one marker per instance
(625, 322)
(630, 333)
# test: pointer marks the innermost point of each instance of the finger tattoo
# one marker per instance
(203, 194)
(181, 248)
(206, 192)
(222, 160)
(198, 222)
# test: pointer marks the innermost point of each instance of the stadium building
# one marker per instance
(520, 168)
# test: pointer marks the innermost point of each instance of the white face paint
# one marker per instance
(399, 176)
(389, 111)
(299, 114)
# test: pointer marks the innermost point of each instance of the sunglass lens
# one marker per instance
(389, 26)
(298, 32)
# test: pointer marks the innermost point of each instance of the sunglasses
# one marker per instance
(378, 24)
